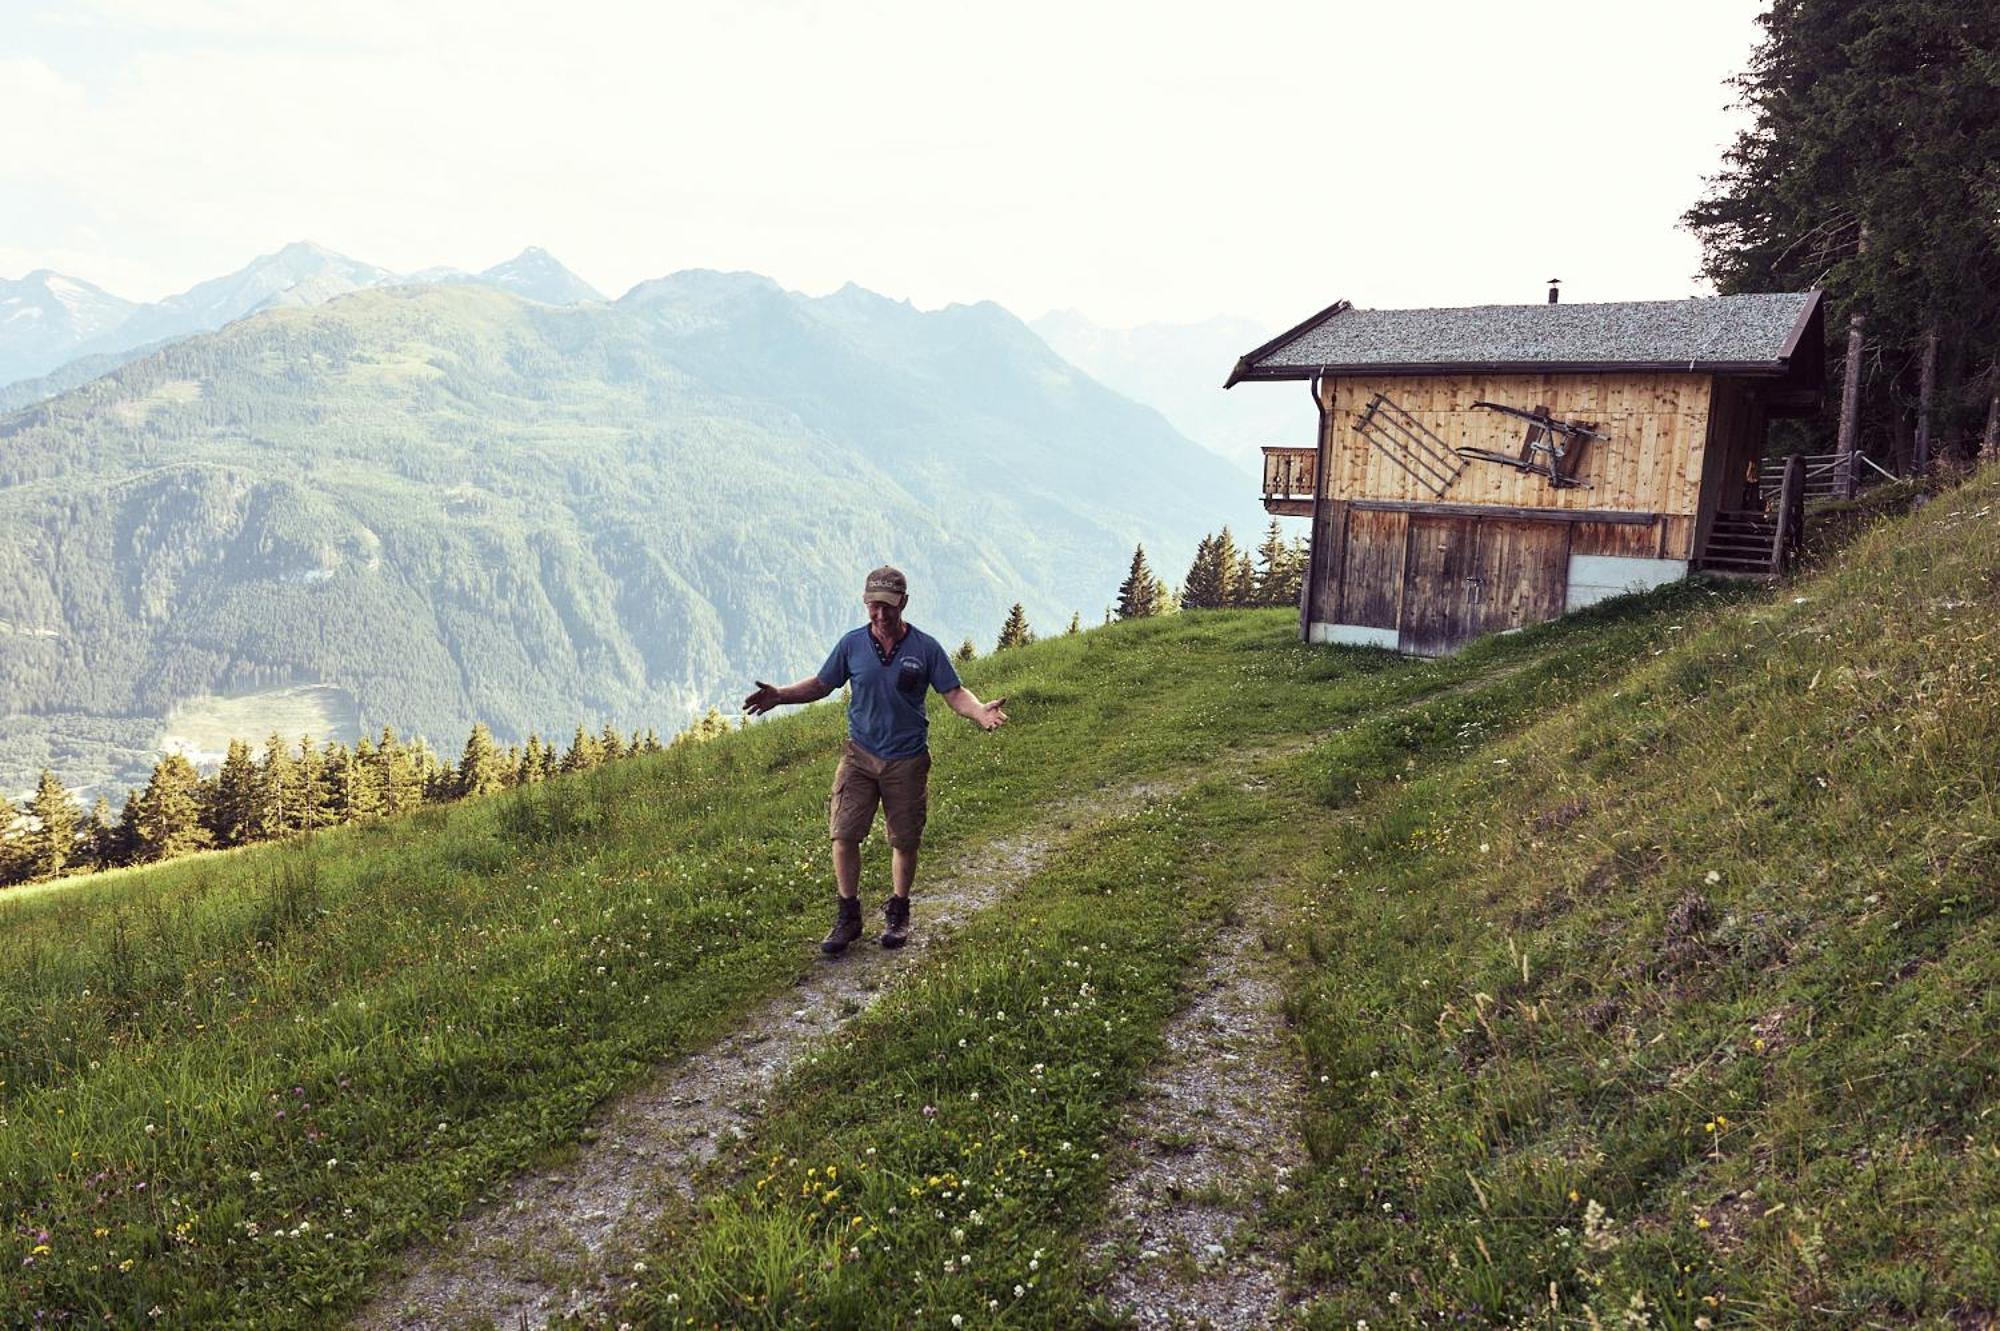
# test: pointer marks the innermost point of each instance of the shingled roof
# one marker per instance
(1756, 334)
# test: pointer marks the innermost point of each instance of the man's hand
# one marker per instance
(764, 699)
(990, 717)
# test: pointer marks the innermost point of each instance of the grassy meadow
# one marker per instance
(1641, 964)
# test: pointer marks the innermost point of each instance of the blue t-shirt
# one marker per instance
(885, 713)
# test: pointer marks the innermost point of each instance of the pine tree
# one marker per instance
(479, 769)
(531, 760)
(653, 745)
(276, 813)
(398, 776)
(231, 815)
(314, 787)
(1075, 624)
(361, 783)
(585, 752)
(51, 845)
(99, 840)
(1015, 632)
(1242, 582)
(1277, 570)
(611, 743)
(169, 811)
(1142, 595)
(1208, 579)
(966, 651)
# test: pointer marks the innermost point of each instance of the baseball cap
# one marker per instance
(888, 586)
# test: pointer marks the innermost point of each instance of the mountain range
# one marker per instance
(440, 502)
(57, 331)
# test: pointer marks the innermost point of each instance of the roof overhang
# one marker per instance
(1759, 368)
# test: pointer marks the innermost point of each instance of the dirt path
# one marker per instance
(1213, 1130)
(556, 1240)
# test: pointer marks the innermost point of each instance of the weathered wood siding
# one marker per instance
(1652, 462)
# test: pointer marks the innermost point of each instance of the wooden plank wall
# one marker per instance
(1652, 462)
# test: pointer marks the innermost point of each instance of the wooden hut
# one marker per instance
(1483, 468)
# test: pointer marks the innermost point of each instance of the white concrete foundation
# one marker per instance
(1594, 578)
(1354, 635)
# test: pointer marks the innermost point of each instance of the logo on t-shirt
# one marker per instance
(910, 677)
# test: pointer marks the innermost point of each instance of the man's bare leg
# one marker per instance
(902, 869)
(847, 868)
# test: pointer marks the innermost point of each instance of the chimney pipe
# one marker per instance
(1554, 282)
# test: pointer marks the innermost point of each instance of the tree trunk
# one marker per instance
(1920, 447)
(1850, 391)
(1990, 440)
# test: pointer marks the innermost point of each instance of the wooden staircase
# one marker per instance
(1749, 543)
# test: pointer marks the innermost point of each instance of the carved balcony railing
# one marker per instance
(1290, 475)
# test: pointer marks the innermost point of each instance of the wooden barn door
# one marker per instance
(1523, 574)
(1438, 584)
(1468, 576)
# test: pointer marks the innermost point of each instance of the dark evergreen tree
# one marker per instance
(531, 760)
(611, 744)
(1279, 569)
(51, 843)
(169, 811)
(313, 784)
(231, 815)
(585, 752)
(966, 651)
(99, 839)
(1208, 579)
(276, 795)
(479, 768)
(1867, 169)
(1015, 632)
(1142, 595)
(1242, 582)
(652, 744)
(360, 783)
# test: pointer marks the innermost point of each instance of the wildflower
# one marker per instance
(957, 1319)
(256, 1176)
(1711, 877)
(1019, 1291)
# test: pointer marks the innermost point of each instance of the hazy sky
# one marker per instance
(1137, 162)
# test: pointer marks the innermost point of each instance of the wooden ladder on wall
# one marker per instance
(1752, 543)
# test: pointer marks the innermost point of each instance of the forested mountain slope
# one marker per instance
(452, 504)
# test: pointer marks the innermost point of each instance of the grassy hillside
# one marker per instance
(1641, 965)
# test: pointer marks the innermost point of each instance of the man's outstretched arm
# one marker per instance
(985, 715)
(768, 696)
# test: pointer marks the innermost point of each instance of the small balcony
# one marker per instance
(1290, 475)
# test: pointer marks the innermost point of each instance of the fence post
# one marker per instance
(1791, 514)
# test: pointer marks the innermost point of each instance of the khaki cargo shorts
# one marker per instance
(900, 785)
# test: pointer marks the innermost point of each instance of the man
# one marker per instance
(887, 759)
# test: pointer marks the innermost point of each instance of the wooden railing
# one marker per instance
(1290, 476)
(1824, 475)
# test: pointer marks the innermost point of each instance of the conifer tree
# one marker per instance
(510, 766)
(1015, 632)
(611, 743)
(1242, 582)
(314, 801)
(361, 783)
(51, 845)
(531, 760)
(99, 839)
(127, 833)
(652, 744)
(966, 651)
(1075, 624)
(231, 815)
(634, 745)
(584, 752)
(276, 812)
(1142, 595)
(397, 774)
(169, 811)
(1277, 581)
(479, 770)
(1207, 583)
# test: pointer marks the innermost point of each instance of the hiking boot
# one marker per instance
(846, 927)
(896, 914)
